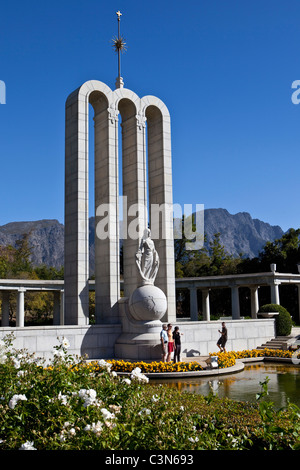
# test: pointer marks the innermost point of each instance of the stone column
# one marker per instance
(20, 307)
(134, 191)
(298, 286)
(56, 307)
(254, 301)
(5, 308)
(76, 210)
(107, 266)
(193, 303)
(235, 302)
(161, 196)
(205, 305)
(62, 307)
(275, 293)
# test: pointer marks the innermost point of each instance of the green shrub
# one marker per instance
(283, 321)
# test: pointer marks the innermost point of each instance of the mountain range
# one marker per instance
(239, 233)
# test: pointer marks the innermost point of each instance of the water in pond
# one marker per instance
(284, 383)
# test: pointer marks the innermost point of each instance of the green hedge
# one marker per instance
(283, 321)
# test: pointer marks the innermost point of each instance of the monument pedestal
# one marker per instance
(140, 339)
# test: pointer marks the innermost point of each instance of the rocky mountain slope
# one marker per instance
(239, 234)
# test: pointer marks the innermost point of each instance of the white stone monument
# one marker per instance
(138, 176)
(142, 312)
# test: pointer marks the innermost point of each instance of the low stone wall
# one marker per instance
(200, 338)
(98, 341)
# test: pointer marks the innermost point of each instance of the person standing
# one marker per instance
(177, 343)
(223, 338)
(164, 342)
(170, 342)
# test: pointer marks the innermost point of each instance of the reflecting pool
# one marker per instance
(284, 384)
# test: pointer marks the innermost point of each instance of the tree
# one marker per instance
(15, 263)
(284, 252)
(188, 263)
(221, 262)
(22, 261)
(7, 256)
(211, 261)
(49, 272)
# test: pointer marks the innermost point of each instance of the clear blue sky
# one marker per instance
(223, 68)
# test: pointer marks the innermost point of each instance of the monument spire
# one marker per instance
(120, 46)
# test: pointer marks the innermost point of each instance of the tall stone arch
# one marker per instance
(161, 194)
(108, 106)
(77, 194)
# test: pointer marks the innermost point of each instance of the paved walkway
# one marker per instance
(295, 332)
(239, 365)
(201, 359)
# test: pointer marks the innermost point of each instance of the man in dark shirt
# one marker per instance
(223, 338)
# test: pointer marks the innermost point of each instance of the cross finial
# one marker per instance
(120, 47)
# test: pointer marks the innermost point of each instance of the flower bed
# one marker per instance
(225, 359)
(69, 404)
(263, 353)
(149, 367)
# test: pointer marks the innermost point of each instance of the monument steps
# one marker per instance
(280, 342)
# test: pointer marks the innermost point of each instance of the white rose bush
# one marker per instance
(70, 404)
(67, 403)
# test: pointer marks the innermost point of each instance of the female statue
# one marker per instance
(147, 259)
